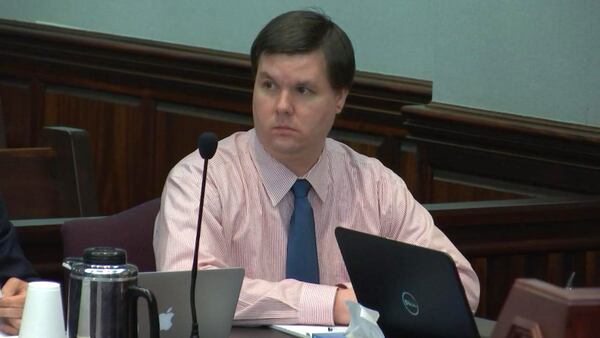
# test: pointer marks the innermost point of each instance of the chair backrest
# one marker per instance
(52, 180)
(131, 230)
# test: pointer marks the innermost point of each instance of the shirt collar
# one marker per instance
(278, 179)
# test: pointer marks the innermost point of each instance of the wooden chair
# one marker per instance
(52, 180)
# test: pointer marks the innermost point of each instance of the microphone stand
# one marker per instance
(207, 144)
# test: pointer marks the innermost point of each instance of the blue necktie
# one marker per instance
(302, 263)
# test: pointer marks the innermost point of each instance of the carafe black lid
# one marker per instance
(104, 256)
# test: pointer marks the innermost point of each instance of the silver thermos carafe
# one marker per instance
(102, 296)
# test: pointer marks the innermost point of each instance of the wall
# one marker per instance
(537, 58)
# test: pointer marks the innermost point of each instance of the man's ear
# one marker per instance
(340, 99)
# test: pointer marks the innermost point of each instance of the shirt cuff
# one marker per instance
(316, 304)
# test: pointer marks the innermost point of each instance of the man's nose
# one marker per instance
(284, 104)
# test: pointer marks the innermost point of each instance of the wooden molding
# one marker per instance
(510, 131)
(505, 147)
(488, 228)
(160, 64)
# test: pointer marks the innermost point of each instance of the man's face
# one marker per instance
(294, 105)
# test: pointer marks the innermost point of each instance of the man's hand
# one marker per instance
(341, 315)
(11, 305)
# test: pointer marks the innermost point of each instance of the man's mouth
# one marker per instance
(283, 128)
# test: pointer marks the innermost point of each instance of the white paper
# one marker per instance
(3, 335)
(307, 330)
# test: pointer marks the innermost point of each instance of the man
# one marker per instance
(15, 269)
(304, 66)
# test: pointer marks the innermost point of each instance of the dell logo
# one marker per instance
(410, 303)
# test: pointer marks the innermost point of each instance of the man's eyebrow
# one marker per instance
(301, 83)
(304, 84)
(262, 73)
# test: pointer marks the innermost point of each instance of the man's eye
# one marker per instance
(268, 84)
(304, 90)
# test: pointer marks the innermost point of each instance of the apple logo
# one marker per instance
(165, 319)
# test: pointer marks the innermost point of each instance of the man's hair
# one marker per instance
(300, 32)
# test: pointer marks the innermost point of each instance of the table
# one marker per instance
(485, 327)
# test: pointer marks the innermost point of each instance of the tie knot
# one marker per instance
(301, 188)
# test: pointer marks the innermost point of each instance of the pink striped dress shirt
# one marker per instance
(248, 207)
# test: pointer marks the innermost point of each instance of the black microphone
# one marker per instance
(207, 146)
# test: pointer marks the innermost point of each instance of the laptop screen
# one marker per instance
(417, 291)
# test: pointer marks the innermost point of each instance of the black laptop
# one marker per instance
(417, 291)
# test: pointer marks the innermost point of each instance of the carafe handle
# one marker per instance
(136, 292)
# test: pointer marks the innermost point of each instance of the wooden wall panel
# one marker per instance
(407, 165)
(543, 238)
(367, 144)
(35, 170)
(519, 155)
(452, 187)
(16, 98)
(555, 268)
(449, 191)
(156, 97)
(52, 180)
(122, 135)
(2, 132)
(592, 267)
(180, 126)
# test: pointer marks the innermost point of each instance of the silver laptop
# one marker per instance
(217, 292)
